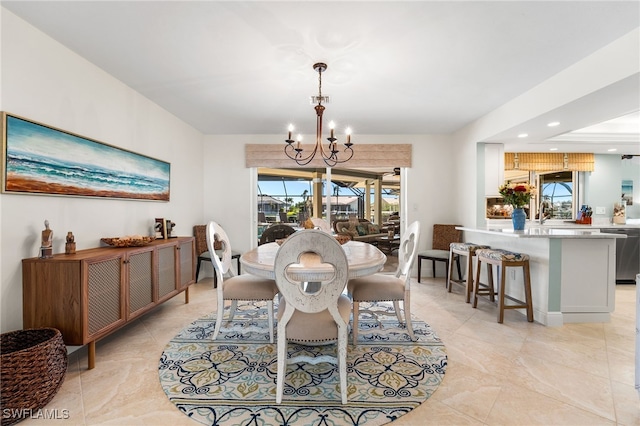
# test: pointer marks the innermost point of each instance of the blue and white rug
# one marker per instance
(231, 381)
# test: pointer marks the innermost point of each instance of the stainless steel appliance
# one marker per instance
(627, 254)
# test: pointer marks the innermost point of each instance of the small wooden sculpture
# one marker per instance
(70, 246)
(46, 245)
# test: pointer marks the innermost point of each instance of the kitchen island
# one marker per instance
(572, 270)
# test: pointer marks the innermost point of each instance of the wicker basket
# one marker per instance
(33, 363)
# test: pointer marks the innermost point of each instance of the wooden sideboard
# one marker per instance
(91, 293)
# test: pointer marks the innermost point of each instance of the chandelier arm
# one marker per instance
(298, 158)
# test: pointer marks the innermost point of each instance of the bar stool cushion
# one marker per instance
(502, 255)
(467, 246)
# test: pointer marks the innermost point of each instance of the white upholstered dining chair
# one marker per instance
(321, 224)
(312, 318)
(233, 287)
(385, 287)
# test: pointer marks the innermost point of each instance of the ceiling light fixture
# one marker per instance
(554, 124)
(329, 154)
(523, 135)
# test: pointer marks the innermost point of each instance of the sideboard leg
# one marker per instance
(186, 295)
(92, 354)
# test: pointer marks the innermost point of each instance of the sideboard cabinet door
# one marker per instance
(187, 268)
(105, 296)
(167, 270)
(139, 270)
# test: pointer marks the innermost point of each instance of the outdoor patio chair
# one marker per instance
(275, 232)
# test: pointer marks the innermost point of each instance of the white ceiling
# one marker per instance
(401, 67)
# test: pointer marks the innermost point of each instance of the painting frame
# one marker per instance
(36, 160)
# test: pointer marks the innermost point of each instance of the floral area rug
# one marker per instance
(232, 381)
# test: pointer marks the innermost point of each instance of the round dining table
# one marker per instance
(363, 259)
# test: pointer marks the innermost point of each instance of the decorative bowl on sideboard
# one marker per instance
(134, 241)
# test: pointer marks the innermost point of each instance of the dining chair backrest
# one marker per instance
(321, 224)
(331, 252)
(222, 264)
(200, 234)
(408, 249)
(444, 235)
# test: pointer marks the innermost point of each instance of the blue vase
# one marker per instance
(518, 217)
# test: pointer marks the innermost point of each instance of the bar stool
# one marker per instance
(463, 249)
(503, 259)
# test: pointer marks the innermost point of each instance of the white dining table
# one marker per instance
(363, 259)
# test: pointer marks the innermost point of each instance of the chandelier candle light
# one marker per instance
(330, 154)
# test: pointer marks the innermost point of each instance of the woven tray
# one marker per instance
(128, 241)
(33, 363)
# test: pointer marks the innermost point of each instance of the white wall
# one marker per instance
(46, 82)
(630, 170)
(604, 185)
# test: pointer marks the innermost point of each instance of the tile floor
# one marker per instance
(498, 374)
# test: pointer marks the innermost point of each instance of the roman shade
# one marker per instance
(365, 155)
(548, 161)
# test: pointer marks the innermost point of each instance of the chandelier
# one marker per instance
(330, 153)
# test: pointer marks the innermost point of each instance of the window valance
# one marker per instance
(365, 155)
(548, 161)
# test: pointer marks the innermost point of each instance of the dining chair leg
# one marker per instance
(407, 315)
(342, 360)
(396, 306)
(354, 328)
(232, 309)
(448, 282)
(219, 315)
(282, 364)
(198, 269)
(270, 314)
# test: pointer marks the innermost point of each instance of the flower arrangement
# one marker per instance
(517, 194)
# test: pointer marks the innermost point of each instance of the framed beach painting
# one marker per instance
(39, 159)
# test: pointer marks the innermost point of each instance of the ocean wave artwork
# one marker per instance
(40, 159)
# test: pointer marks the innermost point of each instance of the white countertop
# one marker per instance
(565, 224)
(545, 232)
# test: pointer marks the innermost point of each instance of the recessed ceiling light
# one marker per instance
(523, 135)
(553, 149)
(612, 150)
(553, 124)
